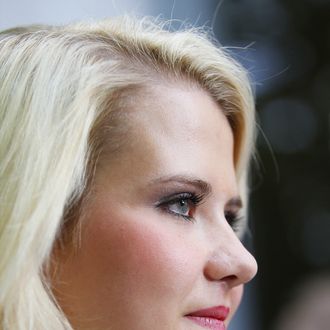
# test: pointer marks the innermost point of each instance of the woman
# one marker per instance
(124, 153)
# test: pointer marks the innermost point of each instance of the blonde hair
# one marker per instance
(58, 85)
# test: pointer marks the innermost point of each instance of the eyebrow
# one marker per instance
(199, 184)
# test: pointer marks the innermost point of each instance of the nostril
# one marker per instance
(229, 278)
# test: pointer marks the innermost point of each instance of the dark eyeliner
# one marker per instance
(196, 199)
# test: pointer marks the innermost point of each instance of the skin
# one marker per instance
(140, 264)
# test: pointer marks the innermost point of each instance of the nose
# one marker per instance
(230, 261)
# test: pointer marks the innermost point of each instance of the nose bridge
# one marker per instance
(229, 260)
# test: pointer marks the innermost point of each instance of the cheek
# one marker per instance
(128, 262)
(137, 253)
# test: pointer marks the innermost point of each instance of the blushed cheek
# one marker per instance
(139, 255)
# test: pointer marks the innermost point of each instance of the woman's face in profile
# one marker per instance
(157, 251)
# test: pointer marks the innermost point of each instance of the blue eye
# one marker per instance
(182, 205)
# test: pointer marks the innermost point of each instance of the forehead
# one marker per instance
(181, 111)
(173, 130)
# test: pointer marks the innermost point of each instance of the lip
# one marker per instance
(210, 318)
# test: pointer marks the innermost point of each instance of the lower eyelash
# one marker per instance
(185, 217)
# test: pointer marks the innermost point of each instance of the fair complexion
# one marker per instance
(157, 241)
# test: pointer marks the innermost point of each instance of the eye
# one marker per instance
(234, 220)
(182, 205)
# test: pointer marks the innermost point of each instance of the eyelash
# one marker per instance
(193, 200)
(233, 219)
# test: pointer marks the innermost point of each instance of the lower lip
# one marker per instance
(208, 322)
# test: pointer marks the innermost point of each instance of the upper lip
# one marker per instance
(217, 312)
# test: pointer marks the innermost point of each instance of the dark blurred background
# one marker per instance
(286, 47)
(288, 55)
(289, 58)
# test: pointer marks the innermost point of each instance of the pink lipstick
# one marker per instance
(211, 318)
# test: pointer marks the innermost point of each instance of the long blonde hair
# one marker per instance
(57, 86)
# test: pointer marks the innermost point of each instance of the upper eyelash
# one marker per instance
(196, 199)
